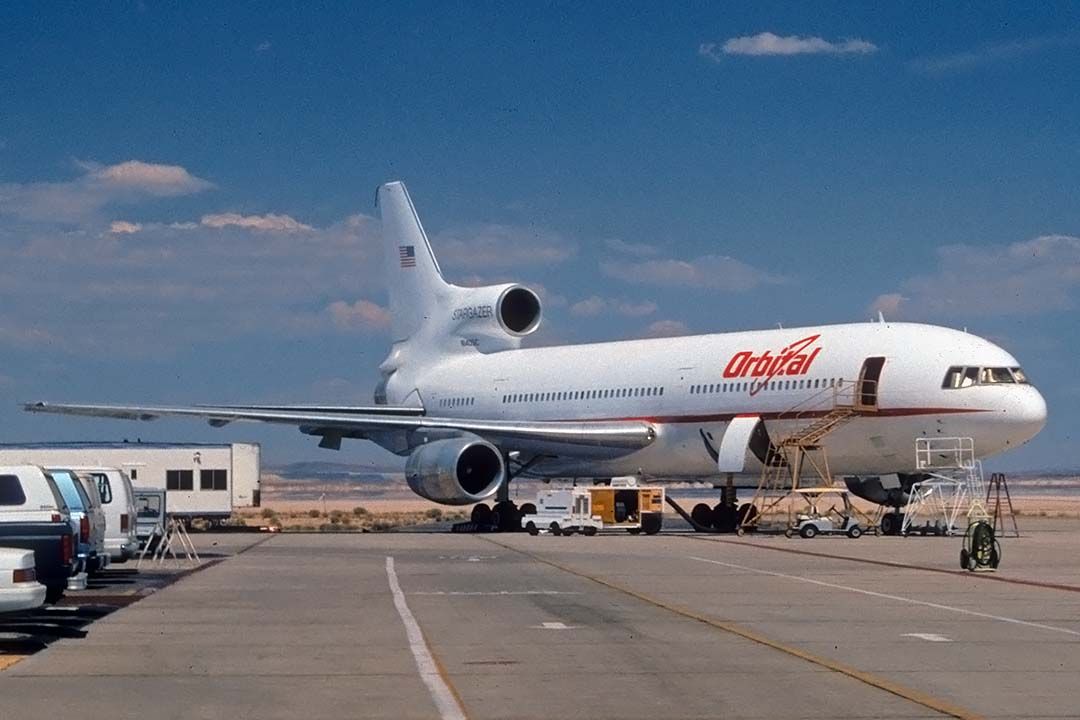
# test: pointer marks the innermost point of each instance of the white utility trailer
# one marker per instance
(204, 481)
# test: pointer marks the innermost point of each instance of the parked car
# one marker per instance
(149, 514)
(34, 516)
(118, 502)
(89, 520)
(19, 588)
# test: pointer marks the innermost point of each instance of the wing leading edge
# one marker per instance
(603, 438)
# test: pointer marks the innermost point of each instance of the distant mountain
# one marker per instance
(333, 472)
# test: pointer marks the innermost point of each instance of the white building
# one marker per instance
(201, 480)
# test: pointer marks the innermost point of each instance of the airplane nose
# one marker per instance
(1028, 416)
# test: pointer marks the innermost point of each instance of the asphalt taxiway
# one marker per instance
(435, 625)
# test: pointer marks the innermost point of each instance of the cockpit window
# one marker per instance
(962, 377)
(952, 378)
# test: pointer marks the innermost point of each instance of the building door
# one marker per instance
(870, 381)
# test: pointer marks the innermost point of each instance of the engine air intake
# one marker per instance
(519, 310)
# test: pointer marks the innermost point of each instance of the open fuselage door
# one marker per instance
(866, 397)
(744, 432)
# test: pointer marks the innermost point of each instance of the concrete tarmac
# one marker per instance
(512, 626)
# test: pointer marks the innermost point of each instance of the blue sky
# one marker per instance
(186, 190)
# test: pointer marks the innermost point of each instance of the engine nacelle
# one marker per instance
(887, 490)
(495, 317)
(455, 471)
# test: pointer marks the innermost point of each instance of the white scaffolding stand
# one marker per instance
(953, 485)
(174, 534)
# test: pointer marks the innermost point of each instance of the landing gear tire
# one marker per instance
(651, 523)
(702, 515)
(527, 509)
(890, 524)
(481, 514)
(746, 515)
(506, 517)
(725, 518)
(531, 528)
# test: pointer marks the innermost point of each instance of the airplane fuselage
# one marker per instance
(690, 388)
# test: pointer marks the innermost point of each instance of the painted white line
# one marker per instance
(930, 637)
(897, 598)
(445, 702)
(473, 593)
(554, 626)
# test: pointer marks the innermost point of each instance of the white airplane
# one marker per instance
(471, 409)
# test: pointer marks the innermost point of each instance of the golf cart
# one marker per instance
(837, 519)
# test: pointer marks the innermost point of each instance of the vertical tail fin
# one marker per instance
(413, 276)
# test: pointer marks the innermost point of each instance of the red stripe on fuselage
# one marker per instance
(808, 415)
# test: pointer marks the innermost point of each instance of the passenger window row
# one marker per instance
(962, 377)
(805, 384)
(603, 394)
(457, 402)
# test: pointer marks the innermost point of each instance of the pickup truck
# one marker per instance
(33, 516)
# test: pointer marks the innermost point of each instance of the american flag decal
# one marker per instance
(407, 256)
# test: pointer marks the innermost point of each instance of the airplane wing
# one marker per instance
(564, 438)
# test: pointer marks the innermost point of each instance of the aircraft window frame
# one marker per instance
(1019, 375)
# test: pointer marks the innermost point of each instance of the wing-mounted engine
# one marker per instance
(493, 317)
(455, 471)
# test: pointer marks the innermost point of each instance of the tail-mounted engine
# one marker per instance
(494, 317)
(455, 471)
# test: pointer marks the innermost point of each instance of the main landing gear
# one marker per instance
(505, 516)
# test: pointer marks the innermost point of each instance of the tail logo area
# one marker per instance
(407, 256)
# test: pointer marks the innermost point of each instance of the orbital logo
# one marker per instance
(795, 359)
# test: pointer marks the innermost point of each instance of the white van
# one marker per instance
(118, 502)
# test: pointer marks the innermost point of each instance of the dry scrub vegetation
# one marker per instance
(355, 519)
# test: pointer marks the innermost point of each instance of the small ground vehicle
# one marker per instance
(19, 588)
(118, 502)
(33, 516)
(149, 514)
(589, 509)
(838, 519)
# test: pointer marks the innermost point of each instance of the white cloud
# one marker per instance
(360, 315)
(768, 43)
(717, 272)
(81, 200)
(1023, 278)
(667, 328)
(628, 248)
(262, 223)
(493, 245)
(123, 227)
(987, 54)
(150, 178)
(596, 305)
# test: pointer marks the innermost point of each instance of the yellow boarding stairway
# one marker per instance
(786, 459)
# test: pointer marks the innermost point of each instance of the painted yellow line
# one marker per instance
(915, 696)
(7, 661)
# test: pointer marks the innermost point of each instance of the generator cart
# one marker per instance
(623, 505)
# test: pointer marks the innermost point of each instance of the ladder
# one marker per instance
(999, 483)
